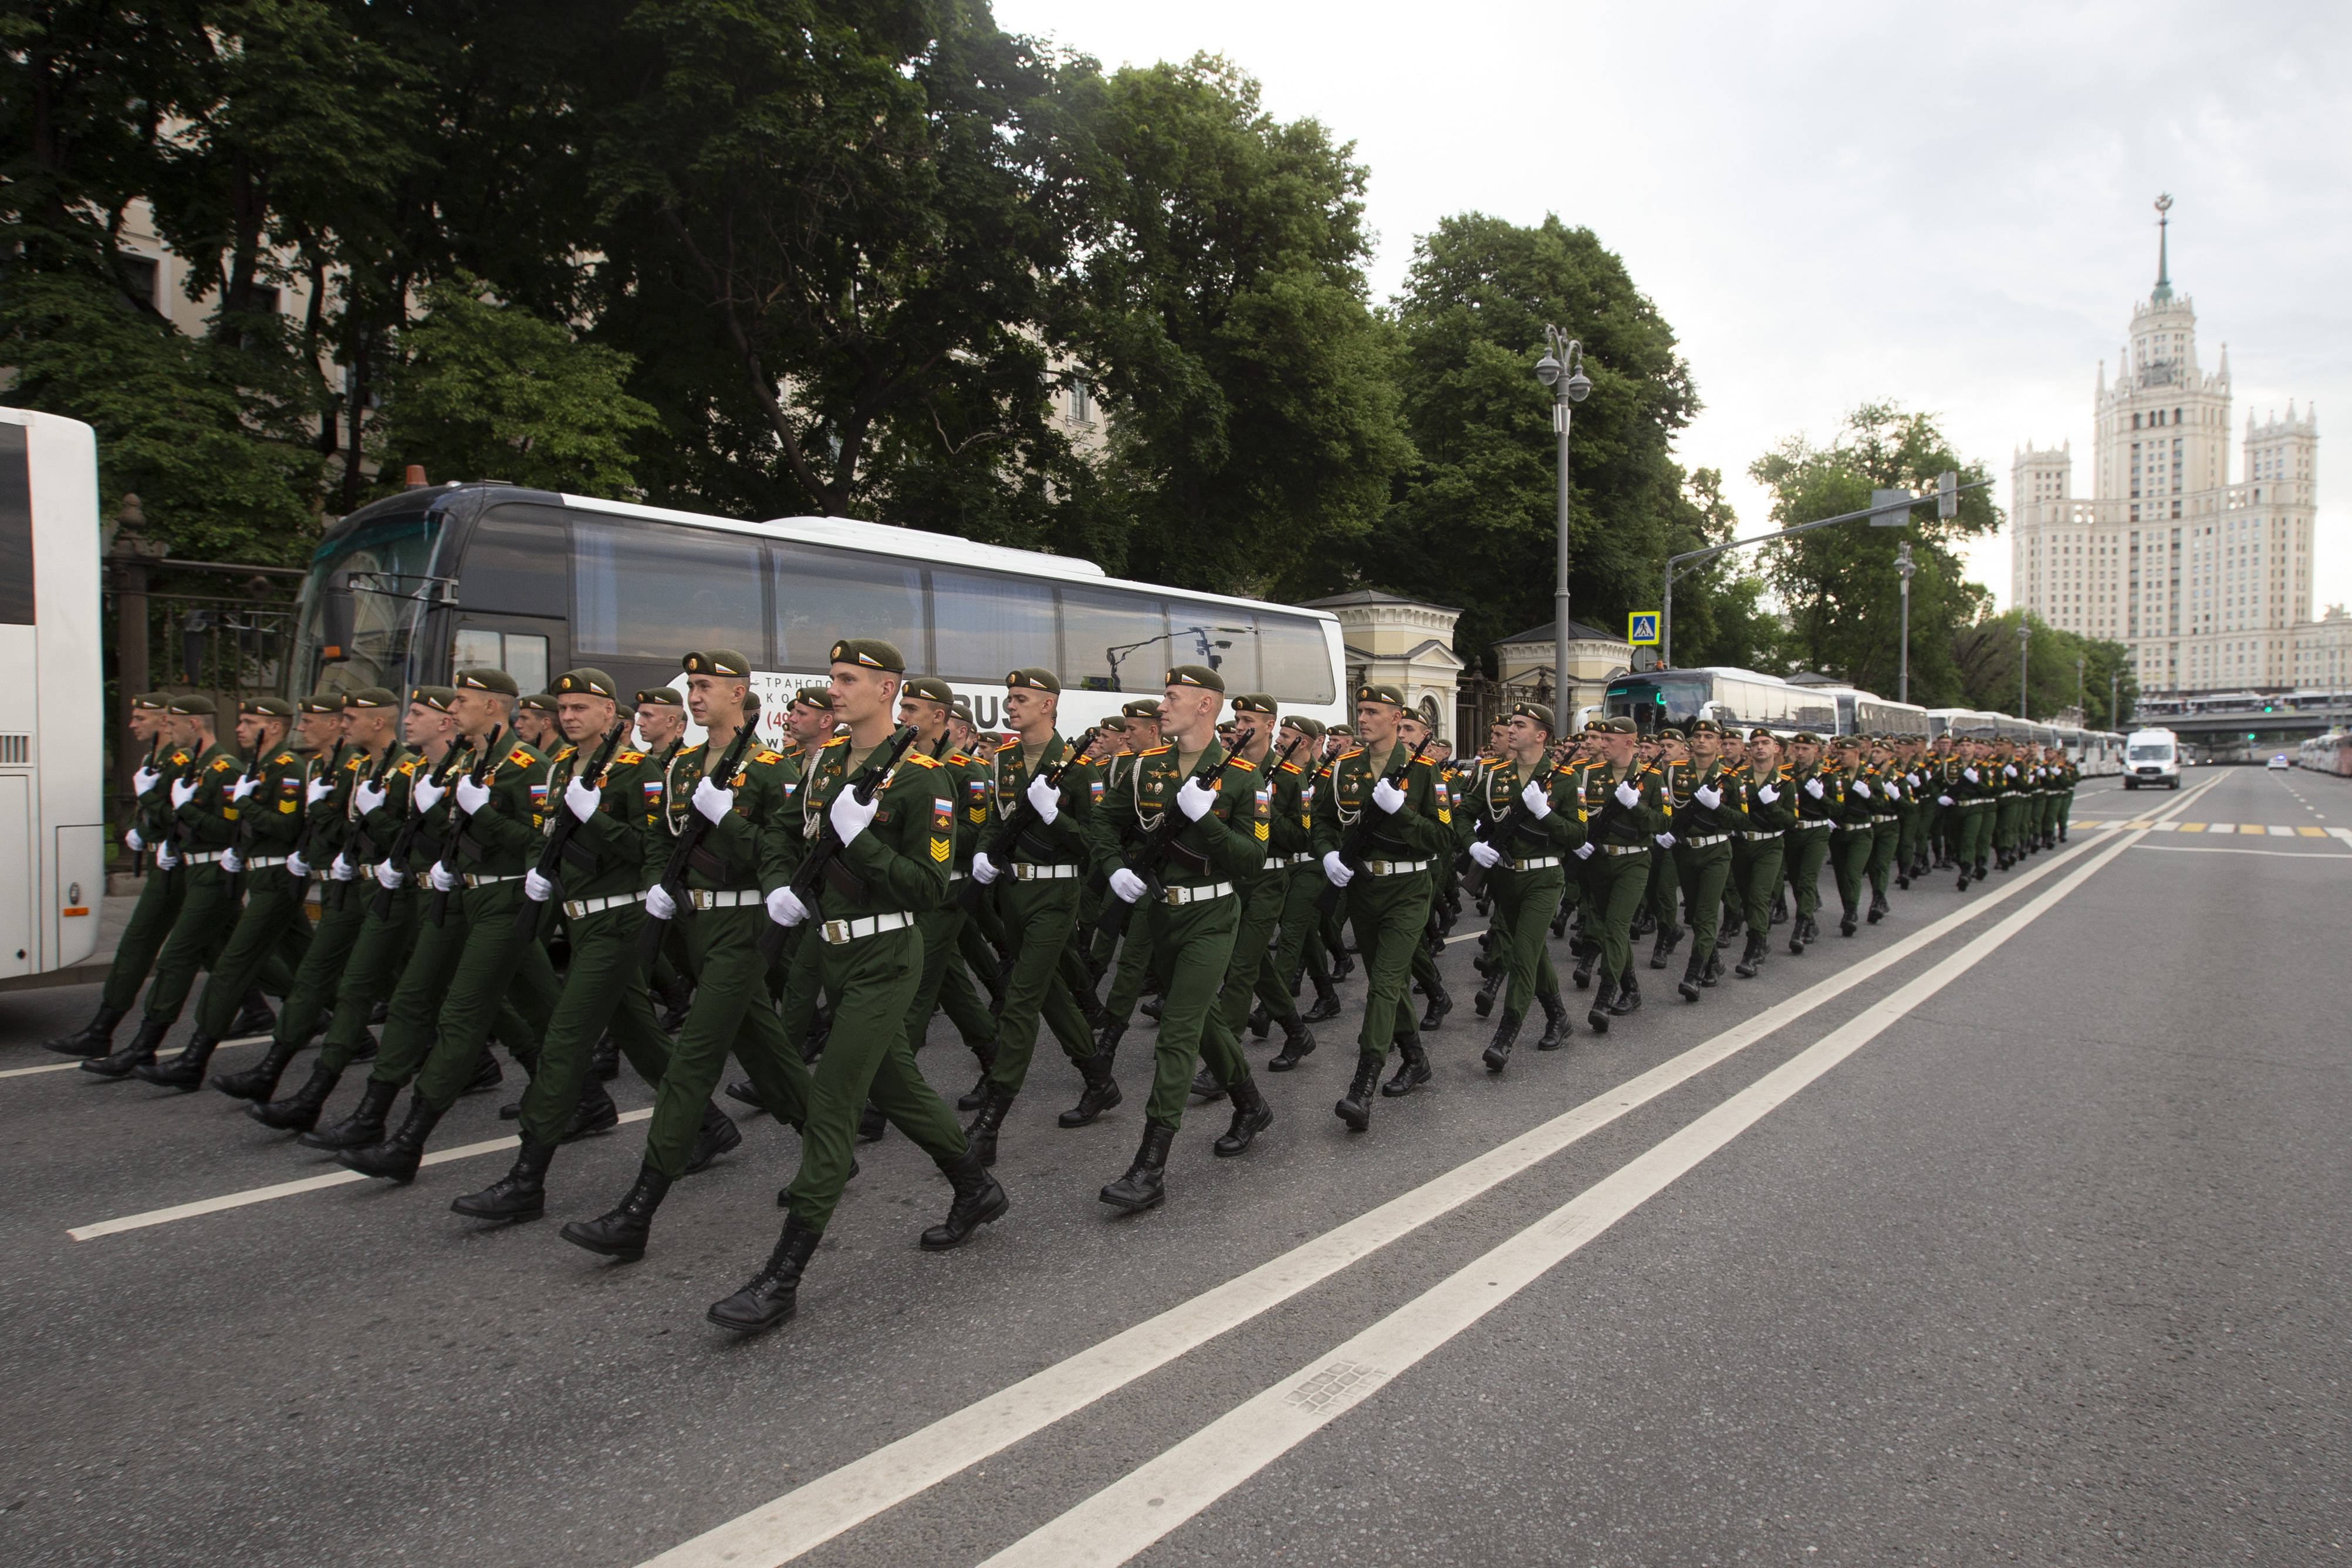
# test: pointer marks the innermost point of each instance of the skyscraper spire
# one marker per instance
(2163, 257)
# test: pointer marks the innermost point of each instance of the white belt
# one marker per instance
(1540, 863)
(207, 857)
(1703, 842)
(1890, 817)
(955, 876)
(839, 931)
(733, 899)
(575, 908)
(261, 862)
(1023, 872)
(1625, 850)
(1809, 824)
(1753, 836)
(1393, 867)
(475, 879)
(1303, 857)
(1200, 895)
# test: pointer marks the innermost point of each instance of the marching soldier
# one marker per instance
(927, 703)
(1291, 847)
(1887, 799)
(1972, 795)
(1707, 813)
(1854, 833)
(1525, 863)
(1627, 813)
(535, 723)
(1252, 974)
(1765, 787)
(1820, 799)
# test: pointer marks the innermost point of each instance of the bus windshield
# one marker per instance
(2159, 753)
(1651, 701)
(387, 564)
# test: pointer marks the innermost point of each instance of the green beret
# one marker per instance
(1341, 730)
(1535, 710)
(1669, 734)
(1849, 742)
(323, 702)
(1255, 703)
(1146, 708)
(539, 701)
(1198, 675)
(817, 697)
(1617, 726)
(483, 678)
(1381, 692)
(267, 707)
(1033, 678)
(871, 653)
(1760, 734)
(1114, 726)
(1804, 738)
(586, 680)
(962, 709)
(1310, 728)
(1706, 727)
(720, 662)
(930, 689)
(660, 697)
(191, 705)
(437, 698)
(368, 696)
(152, 701)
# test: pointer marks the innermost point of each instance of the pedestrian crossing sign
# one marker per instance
(1642, 627)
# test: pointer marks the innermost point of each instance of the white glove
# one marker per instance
(145, 779)
(715, 803)
(1707, 795)
(1047, 798)
(1387, 796)
(1585, 850)
(2010, 770)
(243, 788)
(165, 857)
(182, 791)
(442, 879)
(1627, 796)
(581, 798)
(231, 862)
(428, 794)
(536, 887)
(472, 796)
(318, 789)
(1813, 788)
(1126, 885)
(1195, 799)
(341, 869)
(1537, 799)
(1943, 800)
(1662, 840)
(784, 908)
(659, 904)
(1861, 788)
(388, 877)
(134, 841)
(368, 796)
(1484, 854)
(983, 870)
(298, 868)
(1768, 795)
(1969, 774)
(1337, 870)
(851, 815)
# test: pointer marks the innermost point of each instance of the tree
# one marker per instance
(1985, 655)
(1838, 585)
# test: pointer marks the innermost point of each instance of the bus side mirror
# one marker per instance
(337, 616)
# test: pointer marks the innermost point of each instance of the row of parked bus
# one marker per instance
(2330, 753)
(2305, 700)
(1678, 697)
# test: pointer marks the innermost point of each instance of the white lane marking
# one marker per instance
(1129, 1515)
(779, 1530)
(335, 1178)
(2342, 833)
(2313, 854)
(68, 1066)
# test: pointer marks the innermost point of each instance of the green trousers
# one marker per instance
(273, 925)
(1192, 945)
(866, 1057)
(205, 917)
(320, 971)
(2063, 812)
(1524, 903)
(1300, 950)
(1975, 832)
(462, 974)
(1388, 913)
(1665, 886)
(603, 988)
(1038, 918)
(1884, 836)
(1702, 873)
(2007, 810)
(732, 1014)
(1127, 981)
(1910, 833)
(1756, 868)
(379, 957)
(151, 918)
(1260, 899)
(1850, 849)
(1619, 884)
(945, 985)
(1806, 848)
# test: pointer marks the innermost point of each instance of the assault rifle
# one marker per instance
(1352, 847)
(397, 857)
(309, 814)
(1501, 831)
(1007, 836)
(242, 839)
(437, 909)
(356, 846)
(178, 835)
(1154, 848)
(823, 863)
(690, 836)
(559, 838)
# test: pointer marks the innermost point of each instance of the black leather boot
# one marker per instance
(1355, 1107)
(254, 1018)
(1694, 971)
(1150, 1008)
(141, 1050)
(621, 1232)
(872, 1125)
(1629, 995)
(1482, 1001)
(979, 1199)
(1205, 1086)
(397, 1157)
(1752, 960)
(1413, 1069)
(716, 1135)
(1714, 970)
(607, 1059)
(299, 1112)
(1669, 939)
(1780, 907)
(1099, 1095)
(1797, 937)
(743, 1093)
(259, 1081)
(1964, 880)
(773, 1292)
(184, 1071)
(1439, 1004)
(95, 1038)
(1602, 996)
(1980, 872)
(971, 1099)
(594, 1113)
(1261, 1022)
(1298, 1044)
(1327, 1001)
(1507, 1035)
(1555, 1031)
(1586, 957)
(1732, 923)
(675, 1002)
(1252, 1116)
(520, 1193)
(363, 1126)
(1106, 1039)
(994, 1104)
(1879, 907)
(1343, 965)
(1849, 923)
(1145, 1184)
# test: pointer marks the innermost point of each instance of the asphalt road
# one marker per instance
(2016, 1231)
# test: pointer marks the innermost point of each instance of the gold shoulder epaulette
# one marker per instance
(520, 758)
(628, 759)
(1344, 755)
(410, 765)
(1008, 745)
(1292, 768)
(1242, 763)
(1155, 751)
(929, 762)
(836, 741)
(769, 759)
(282, 758)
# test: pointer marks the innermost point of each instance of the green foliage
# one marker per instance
(491, 391)
(1985, 657)
(1838, 586)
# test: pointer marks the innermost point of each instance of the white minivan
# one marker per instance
(2152, 757)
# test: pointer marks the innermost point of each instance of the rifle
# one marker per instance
(1154, 849)
(155, 749)
(1009, 832)
(559, 838)
(437, 909)
(689, 837)
(178, 835)
(242, 839)
(353, 847)
(822, 862)
(1474, 875)
(397, 857)
(1351, 848)
(310, 816)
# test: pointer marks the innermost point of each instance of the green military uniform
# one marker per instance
(1768, 810)
(1818, 797)
(1297, 945)
(1975, 794)
(1618, 836)
(1855, 833)
(945, 985)
(1888, 792)
(1525, 883)
(1706, 814)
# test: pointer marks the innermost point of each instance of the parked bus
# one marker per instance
(1678, 697)
(1861, 712)
(52, 734)
(422, 583)
(2330, 753)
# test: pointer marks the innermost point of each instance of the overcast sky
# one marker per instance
(1948, 206)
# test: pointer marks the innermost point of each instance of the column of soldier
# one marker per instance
(808, 907)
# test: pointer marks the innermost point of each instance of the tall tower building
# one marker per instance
(2205, 582)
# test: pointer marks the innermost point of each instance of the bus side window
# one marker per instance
(651, 591)
(1113, 641)
(1297, 662)
(987, 626)
(824, 595)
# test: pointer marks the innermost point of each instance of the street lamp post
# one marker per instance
(2081, 664)
(2024, 638)
(1562, 369)
(2114, 692)
(1904, 568)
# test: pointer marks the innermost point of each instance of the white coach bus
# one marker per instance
(52, 708)
(419, 585)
